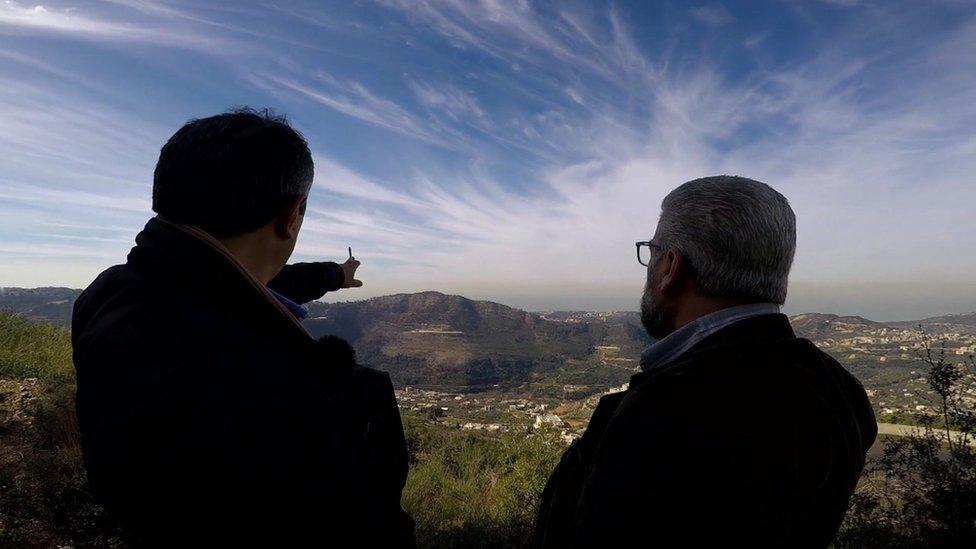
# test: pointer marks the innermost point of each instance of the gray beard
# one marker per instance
(652, 317)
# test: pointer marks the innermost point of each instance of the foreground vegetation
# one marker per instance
(464, 489)
(44, 497)
(922, 491)
(467, 490)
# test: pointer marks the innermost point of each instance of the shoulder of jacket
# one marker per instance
(121, 302)
(375, 378)
(716, 364)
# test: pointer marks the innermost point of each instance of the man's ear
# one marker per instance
(289, 221)
(676, 272)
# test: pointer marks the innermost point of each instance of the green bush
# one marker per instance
(34, 350)
(464, 490)
(468, 490)
(922, 491)
(44, 496)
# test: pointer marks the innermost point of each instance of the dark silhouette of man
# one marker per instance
(209, 416)
(735, 433)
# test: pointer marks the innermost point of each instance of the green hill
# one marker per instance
(447, 342)
(48, 305)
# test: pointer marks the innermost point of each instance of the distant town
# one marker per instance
(886, 358)
(482, 366)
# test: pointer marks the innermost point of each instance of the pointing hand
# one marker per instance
(349, 272)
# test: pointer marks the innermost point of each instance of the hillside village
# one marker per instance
(441, 339)
(864, 347)
(885, 357)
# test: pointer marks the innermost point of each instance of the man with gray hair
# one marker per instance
(735, 432)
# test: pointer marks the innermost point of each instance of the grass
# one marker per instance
(44, 496)
(469, 490)
(464, 490)
(30, 350)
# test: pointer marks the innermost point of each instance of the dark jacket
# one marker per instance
(753, 438)
(210, 417)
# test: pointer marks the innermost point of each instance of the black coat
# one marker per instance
(753, 438)
(210, 417)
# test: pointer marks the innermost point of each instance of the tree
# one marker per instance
(922, 491)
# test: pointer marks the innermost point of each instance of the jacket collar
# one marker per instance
(671, 348)
(193, 258)
(750, 332)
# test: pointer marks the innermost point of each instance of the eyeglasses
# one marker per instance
(644, 251)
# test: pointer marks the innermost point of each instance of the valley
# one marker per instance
(480, 366)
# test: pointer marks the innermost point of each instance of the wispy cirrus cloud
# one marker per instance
(335, 178)
(514, 151)
(79, 23)
(714, 15)
(519, 32)
(454, 102)
(824, 130)
(353, 99)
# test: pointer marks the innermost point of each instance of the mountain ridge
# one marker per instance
(451, 343)
(22, 300)
(433, 339)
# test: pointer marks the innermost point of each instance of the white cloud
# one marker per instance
(354, 99)
(74, 23)
(456, 103)
(754, 41)
(873, 146)
(332, 177)
(870, 177)
(844, 3)
(714, 15)
(517, 33)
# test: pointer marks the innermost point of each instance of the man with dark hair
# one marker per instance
(208, 415)
(735, 433)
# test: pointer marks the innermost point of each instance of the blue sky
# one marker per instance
(514, 151)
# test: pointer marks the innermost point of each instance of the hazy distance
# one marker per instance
(514, 152)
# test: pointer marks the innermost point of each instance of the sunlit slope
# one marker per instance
(449, 342)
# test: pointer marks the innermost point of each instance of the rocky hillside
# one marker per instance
(47, 305)
(946, 324)
(816, 326)
(441, 341)
(451, 343)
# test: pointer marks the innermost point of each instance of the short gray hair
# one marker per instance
(738, 234)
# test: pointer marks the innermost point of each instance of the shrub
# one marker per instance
(464, 490)
(468, 490)
(30, 350)
(45, 500)
(922, 491)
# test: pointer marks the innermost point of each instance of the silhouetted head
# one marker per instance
(721, 241)
(242, 176)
